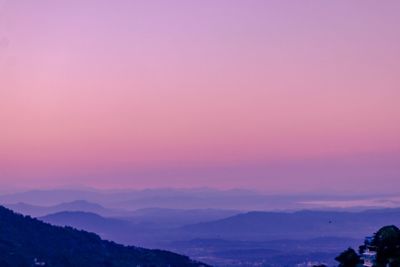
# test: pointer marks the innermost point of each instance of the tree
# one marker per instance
(387, 243)
(348, 258)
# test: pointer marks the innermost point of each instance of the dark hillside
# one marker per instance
(24, 241)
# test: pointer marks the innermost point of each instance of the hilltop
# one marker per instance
(25, 241)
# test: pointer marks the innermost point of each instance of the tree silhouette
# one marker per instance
(348, 258)
(387, 243)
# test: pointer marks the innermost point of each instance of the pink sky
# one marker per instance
(282, 96)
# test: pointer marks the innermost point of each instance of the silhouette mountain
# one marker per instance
(200, 198)
(301, 224)
(29, 242)
(115, 229)
(77, 205)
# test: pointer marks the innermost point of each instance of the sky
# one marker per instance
(279, 96)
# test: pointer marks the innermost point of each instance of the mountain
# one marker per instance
(51, 197)
(114, 229)
(27, 242)
(149, 227)
(199, 198)
(178, 217)
(196, 198)
(295, 225)
(167, 217)
(82, 205)
(76, 205)
(67, 218)
(246, 239)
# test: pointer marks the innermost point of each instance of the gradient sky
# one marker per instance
(282, 96)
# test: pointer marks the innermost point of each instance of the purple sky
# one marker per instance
(281, 96)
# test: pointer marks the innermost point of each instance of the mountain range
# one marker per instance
(186, 222)
(25, 241)
(200, 198)
(246, 238)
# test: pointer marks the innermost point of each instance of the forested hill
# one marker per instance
(25, 242)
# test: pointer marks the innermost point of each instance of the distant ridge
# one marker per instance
(76, 205)
(25, 241)
(300, 224)
(201, 198)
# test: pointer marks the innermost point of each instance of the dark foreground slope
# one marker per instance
(24, 241)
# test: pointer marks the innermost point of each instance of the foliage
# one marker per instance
(24, 239)
(387, 243)
(348, 258)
